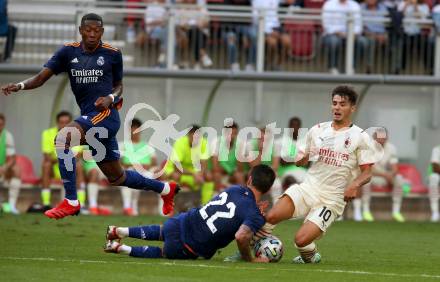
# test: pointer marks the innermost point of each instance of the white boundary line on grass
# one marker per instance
(173, 263)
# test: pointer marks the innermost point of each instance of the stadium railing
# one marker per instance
(299, 47)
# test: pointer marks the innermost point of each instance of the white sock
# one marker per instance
(166, 189)
(126, 197)
(366, 198)
(135, 194)
(92, 194)
(73, 202)
(397, 203)
(357, 206)
(265, 231)
(434, 179)
(14, 190)
(307, 252)
(124, 249)
(122, 232)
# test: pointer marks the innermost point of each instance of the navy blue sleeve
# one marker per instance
(254, 219)
(59, 61)
(117, 67)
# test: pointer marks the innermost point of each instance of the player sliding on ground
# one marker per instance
(338, 150)
(95, 72)
(234, 214)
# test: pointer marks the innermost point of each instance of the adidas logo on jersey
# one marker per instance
(75, 60)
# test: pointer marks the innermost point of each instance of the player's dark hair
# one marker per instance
(346, 91)
(263, 177)
(136, 123)
(63, 114)
(233, 125)
(194, 128)
(2, 117)
(91, 17)
(295, 119)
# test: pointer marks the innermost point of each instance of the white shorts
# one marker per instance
(310, 209)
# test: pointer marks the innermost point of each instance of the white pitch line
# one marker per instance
(173, 263)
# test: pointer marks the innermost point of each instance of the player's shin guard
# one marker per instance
(146, 252)
(434, 180)
(67, 164)
(14, 191)
(148, 232)
(307, 252)
(137, 181)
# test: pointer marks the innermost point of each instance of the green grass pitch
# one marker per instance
(34, 248)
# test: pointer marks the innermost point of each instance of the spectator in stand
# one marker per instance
(385, 174)
(434, 32)
(227, 169)
(137, 153)
(274, 34)
(236, 36)
(374, 31)
(334, 22)
(6, 30)
(292, 3)
(412, 40)
(434, 182)
(190, 150)
(192, 32)
(9, 170)
(155, 29)
(284, 161)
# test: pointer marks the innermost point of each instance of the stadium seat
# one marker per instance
(302, 34)
(28, 176)
(313, 4)
(409, 172)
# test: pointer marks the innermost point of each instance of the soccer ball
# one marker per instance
(269, 247)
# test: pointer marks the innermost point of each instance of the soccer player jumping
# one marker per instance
(342, 156)
(95, 73)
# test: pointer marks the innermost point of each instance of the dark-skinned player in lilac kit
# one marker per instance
(95, 73)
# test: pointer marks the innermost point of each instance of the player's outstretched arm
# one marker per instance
(353, 190)
(31, 83)
(243, 238)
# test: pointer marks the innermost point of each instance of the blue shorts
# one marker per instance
(173, 247)
(109, 121)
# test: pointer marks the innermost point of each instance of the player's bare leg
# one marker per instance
(73, 132)
(117, 176)
(282, 210)
(304, 242)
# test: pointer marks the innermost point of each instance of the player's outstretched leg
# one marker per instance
(132, 179)
(139, 252)
(67, 165)
(149, 232)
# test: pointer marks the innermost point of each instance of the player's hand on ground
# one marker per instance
(9, 88)
(103, 103)
(260, 260)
